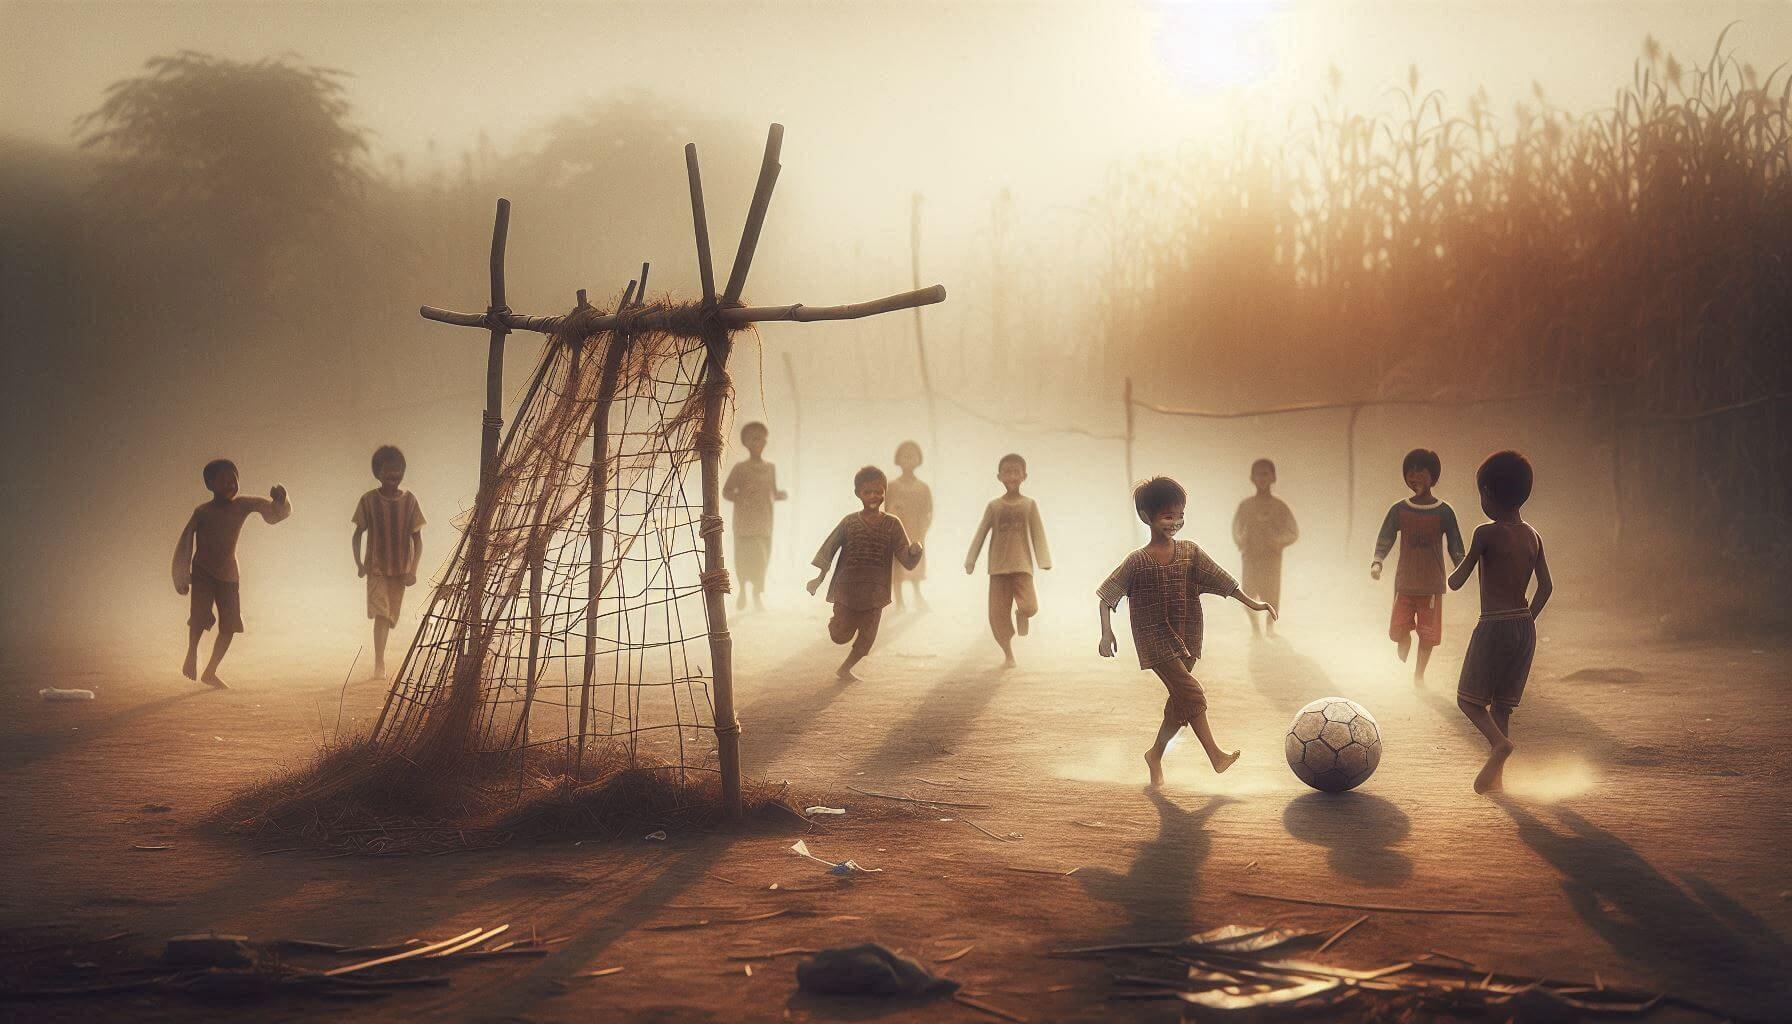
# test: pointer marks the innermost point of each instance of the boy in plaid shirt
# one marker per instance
(1163, 582)
(867, 542)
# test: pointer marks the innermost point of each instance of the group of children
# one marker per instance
(388, 518)
(1164, 580)
(873, 551)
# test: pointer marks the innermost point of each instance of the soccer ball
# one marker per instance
(1333, 744)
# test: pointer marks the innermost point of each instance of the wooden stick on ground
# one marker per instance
(415, 951)
(1382, 907)
(912, 800)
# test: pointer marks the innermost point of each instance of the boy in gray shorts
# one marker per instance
(1499, 654)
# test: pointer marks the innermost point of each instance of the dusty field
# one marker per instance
(1643, 839)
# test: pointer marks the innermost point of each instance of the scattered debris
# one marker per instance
(845, 867)
(601, 972)
(987, 832)
(51, 693)
(1340, 933)
(868, 970)
(706, 922)
(954, 955)
(1044, 871)
(1380, 907)
(659, 836)
(150, 847)
(824, 810)
(977, 1004)
(774, 954)
(912, 800)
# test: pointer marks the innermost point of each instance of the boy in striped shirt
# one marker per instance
(1426, 526)
(392, 522)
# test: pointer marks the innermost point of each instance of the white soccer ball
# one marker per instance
(1333, 744)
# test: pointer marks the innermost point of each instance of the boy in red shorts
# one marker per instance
(1427, 528)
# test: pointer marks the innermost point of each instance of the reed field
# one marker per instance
(1632, 260)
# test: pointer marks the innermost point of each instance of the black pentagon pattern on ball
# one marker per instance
(1333, 744)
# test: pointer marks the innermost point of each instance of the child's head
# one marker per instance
(1011, 469)
(220, 478)
(1504, 480)
(753, 435)
(1263, 473)
(908, 456)
(869, 484)
(1160, 502)
(388, 464)
(1421, 468)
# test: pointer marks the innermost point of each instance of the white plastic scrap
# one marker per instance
(824, 810)
(845, 867)
(52, 693)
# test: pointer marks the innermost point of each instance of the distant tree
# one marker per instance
(257, 150)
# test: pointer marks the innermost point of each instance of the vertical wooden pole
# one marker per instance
(1617, 468)
(1126, 410)
(700, 221)
(466, 678)
(615, 347)
(709, 447)
(796, 456)
(914, 247)
(1350, 477)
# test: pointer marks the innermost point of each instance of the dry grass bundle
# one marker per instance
(357, 798)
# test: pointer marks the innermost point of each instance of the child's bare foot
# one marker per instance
(1155, 762)
(1492, 777)
(1020, 624)
(1225, 761)
(211, 679)
(190, 668)
(1009, 662)
(1418, 677)
(1403, 646)
(846, 675)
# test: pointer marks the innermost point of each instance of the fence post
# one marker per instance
(1350, 477)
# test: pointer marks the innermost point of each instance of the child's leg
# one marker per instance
(381, 629)
(1419, 663)
(1188, 703)
(1026, 601)
(219, 647)
(865, 623)
(1256, 627)
(1401, 625)
(1001, 613)
(1428, 618)
(1499, 744)
(1154, 758)
(190, 668)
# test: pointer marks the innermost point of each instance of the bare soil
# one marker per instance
(1642, 840)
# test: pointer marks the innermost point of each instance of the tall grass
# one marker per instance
(1639, 255)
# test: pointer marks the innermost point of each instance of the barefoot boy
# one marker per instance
(1498, 662)
(866, 542)
(1262, 527)
(1164, 581)
(1016, 537)
(910, 500)
(205, 563)
(752, 486)
(392, 522)
(1425, 525)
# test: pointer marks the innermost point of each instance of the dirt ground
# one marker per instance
(1643, 839)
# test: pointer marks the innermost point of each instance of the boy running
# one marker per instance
(910, 500)
(1016, 537)
(1426, 526)
(1163, 582)
(1499, 655)
(866, 542)
(205, 563)
(1262, 527)
(752, 486)
(392, 522)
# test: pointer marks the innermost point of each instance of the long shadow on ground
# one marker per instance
(1158, 891)
(943, 716)
(1359, 831)
(1652, 922)
(26, 750)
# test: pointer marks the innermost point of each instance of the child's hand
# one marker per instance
(969, 568)
(779, 495)
(1267, 607)
(1108, 644)
(278, 494)
(814, 584)
(914, 549)
(360, 571)
(410, 580)
(181, 587)
(1375, 570)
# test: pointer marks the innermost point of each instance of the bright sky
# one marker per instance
(955, 99)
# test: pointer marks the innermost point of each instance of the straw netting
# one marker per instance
(590, 623)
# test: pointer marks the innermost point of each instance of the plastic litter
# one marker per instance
(845, 867)
(868, 970)
(52, 693)
(824, 810)
(659, 836)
